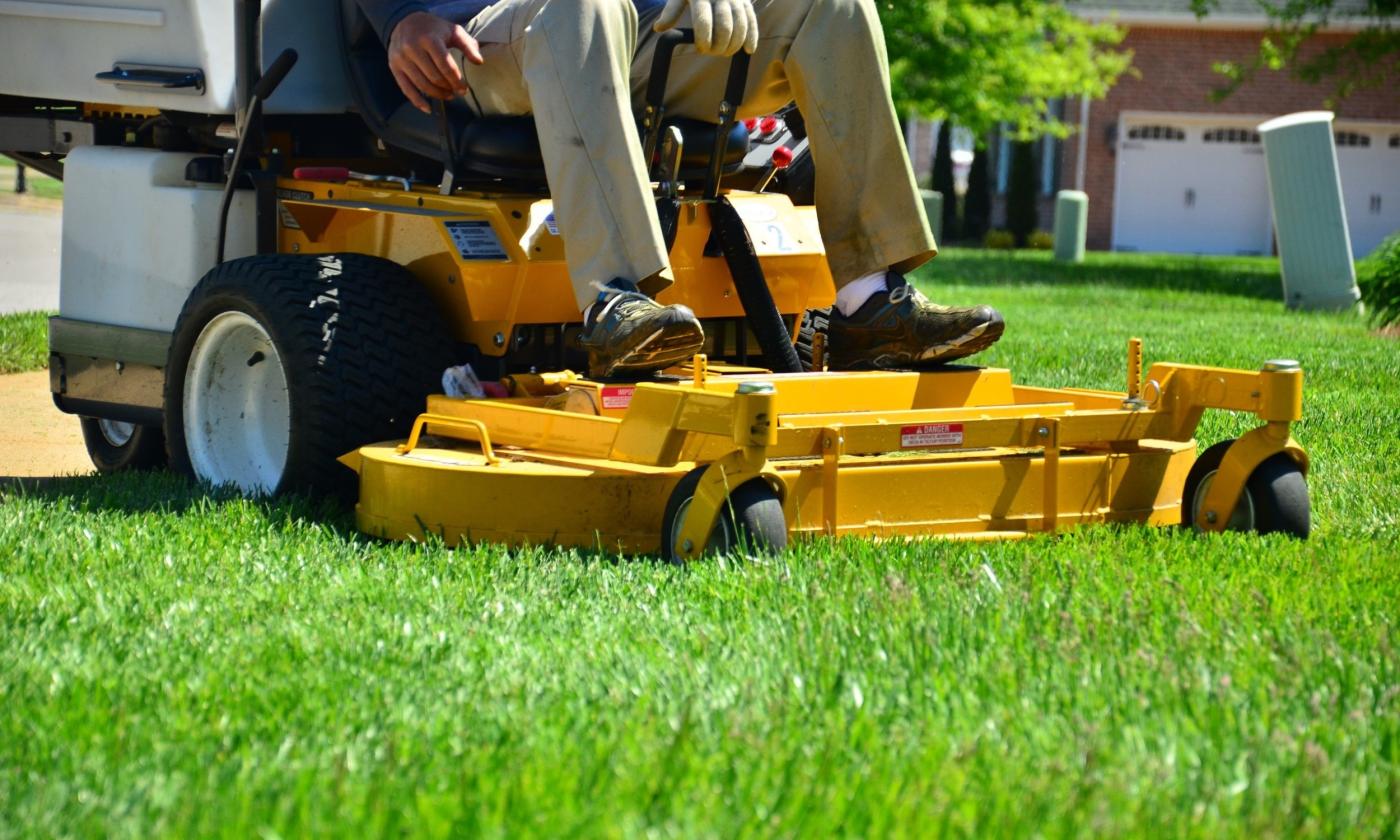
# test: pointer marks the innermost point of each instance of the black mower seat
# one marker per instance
(509, 147)
(495, 147)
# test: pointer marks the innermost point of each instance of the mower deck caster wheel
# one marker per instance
(115, 446)
(1275, 498)
(752, 520)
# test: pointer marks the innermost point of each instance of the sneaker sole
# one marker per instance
(661, 349)
(973, 341)
(976, 340)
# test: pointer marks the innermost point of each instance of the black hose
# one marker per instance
(757, 299)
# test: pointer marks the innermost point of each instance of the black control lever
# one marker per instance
(654, 107)
(252, 126)
(270, 81)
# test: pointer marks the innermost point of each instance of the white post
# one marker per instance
(1305, 191)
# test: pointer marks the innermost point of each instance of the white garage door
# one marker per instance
(1191, 187)
(1368, 158)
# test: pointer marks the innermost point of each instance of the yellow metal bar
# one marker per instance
(1134, 368)
(926, 415)
(452, 427)
(833, 445)
(1049, 432)
(534, 428)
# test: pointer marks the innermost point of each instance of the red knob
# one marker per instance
(768, 125)
(751, 123)
(782, 157)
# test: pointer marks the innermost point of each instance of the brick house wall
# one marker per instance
(1173, 74)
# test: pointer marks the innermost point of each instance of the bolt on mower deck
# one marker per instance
(958, 452)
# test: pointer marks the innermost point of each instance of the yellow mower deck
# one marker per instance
(961, 452)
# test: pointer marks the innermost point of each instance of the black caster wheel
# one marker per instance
(752, 521)
(1275, 498)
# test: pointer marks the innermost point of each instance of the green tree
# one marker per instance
(984, 64)
(1369, 59)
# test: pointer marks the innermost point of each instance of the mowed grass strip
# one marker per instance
(38, 184)
(24, 342)
(182, 663)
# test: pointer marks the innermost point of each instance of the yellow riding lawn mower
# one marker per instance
(325, 290)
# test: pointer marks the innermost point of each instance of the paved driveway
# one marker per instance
(30, 232)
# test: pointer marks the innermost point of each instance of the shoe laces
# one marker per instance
(899, 293)
(619, 301)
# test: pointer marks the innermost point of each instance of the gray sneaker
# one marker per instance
(900, 328)
(627, 333)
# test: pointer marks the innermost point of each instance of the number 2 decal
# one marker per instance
(780, 241)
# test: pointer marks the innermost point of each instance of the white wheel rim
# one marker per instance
(1243, 517)
(237, 414)
(115, 432)
(678, 523)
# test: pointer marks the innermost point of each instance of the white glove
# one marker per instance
(722, 27)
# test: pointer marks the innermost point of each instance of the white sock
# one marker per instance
(854, 294)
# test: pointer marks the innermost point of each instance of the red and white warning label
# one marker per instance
(931, 434)
(618, 396)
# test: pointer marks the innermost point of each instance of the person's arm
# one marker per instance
(384, 15)
(418, 42)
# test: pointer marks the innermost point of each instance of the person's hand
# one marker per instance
(722, 27)
(421, 63)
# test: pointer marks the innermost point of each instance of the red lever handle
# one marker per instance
(321, 173)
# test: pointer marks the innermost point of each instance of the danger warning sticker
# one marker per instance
(618, 396)
(931, 434)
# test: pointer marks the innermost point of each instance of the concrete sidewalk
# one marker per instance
(30, 234)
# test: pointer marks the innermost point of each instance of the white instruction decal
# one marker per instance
(931, 434)
(618, 396)
(476, 240)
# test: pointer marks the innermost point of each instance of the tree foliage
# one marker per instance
(982, 64)
(1369, 59)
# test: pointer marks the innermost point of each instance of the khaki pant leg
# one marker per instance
(567, 62)
(829, 56)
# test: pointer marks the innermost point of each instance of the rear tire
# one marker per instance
(1275, 498)
(814, 322)
(115, 446)
(752, 519)
(282, 363)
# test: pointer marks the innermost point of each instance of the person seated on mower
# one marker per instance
(581, 67)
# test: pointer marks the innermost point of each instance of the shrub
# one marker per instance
(1379, 278)
(999, 240)
(1041, 240)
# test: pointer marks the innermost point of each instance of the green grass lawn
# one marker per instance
(40, 185)
(24, 341)
(175, 663)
